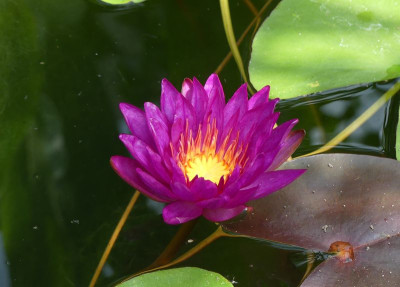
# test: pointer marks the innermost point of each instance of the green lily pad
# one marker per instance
(310, 46)
(186, 276)
(122, 2)
(398, 137)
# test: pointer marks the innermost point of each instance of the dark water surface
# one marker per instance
(65, 66)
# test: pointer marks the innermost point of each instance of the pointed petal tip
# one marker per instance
(125, 108)
(166, 84)
(266, 89)
(112, 160)
(123, 137)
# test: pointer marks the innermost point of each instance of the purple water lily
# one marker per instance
(204, 157)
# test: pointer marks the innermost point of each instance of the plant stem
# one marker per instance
(173, 246)
(113, 238)
(211, 238)
(230, 36)
(241, 38)
(358, 122)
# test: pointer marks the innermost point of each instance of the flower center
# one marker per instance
(200, 156)
(208, 167)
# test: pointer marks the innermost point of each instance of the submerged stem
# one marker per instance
(358, 122)
(173, 246)
(230, 36)
(113, 238)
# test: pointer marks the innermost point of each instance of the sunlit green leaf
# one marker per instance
(179, 277)
(315, 45)
(398, 137)
(122, 2)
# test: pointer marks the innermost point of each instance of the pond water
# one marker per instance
(68, 64)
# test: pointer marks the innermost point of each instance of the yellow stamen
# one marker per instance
(198, 156)
(211, 168)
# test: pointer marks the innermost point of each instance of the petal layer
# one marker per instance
(180, 212)
(222, 214)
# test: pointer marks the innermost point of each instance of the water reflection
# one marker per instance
(332, 111)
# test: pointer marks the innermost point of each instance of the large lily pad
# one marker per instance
(315, 45)
(341, 198)
(398, 137)
(121, 2)
(186, 276)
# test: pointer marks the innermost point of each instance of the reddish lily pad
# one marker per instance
(375, 265)
(341, 198)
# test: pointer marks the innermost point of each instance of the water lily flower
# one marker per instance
(202, 156)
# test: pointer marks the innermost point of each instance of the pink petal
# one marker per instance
(243, 196)
(261, 134)
(180, 212)
(158, 128)
(222, 214)
(182, 191)
(137, 123)
(203, 189)
(237, 105)
(199, 100)
(147, 158)
(126, 169)
(259, 98)
(213, 203)
(170, 98)
(174, 105)
(272, 181)
(187, 91)
(213, 88)
(278, 135)
(291, 143)
(155, 187)
(216, 103)
(254, 118)
(256, 168)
